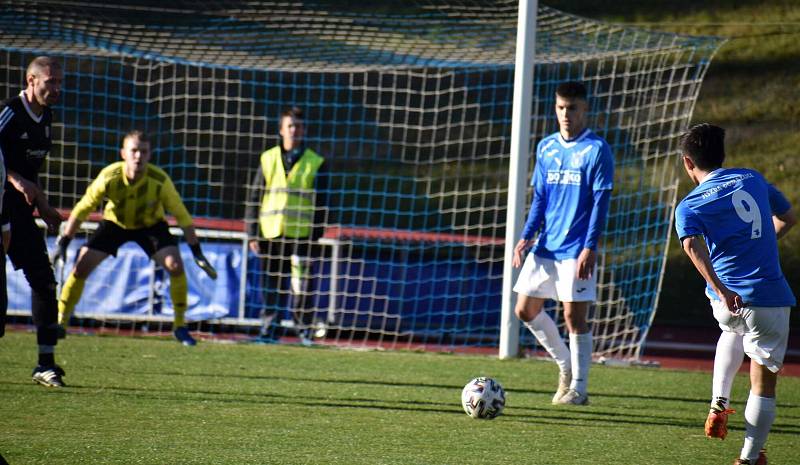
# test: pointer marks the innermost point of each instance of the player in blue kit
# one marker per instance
(729, 227)
(572, 184)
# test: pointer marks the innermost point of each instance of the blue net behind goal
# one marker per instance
(412, 111)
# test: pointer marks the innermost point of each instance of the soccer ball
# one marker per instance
(483, 398)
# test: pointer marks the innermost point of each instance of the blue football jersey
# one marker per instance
(732, 209)
(566, 175)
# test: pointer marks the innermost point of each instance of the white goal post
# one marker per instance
(518, 168)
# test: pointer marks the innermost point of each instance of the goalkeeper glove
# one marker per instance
(202, 261)
(60, 253)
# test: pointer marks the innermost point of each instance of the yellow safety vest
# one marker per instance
(287, 208)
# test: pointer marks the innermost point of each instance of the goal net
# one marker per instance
(411, 109)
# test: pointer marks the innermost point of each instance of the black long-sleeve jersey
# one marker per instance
(24, 137)
(25, 142)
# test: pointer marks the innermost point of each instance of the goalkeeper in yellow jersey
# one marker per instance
(137, 194)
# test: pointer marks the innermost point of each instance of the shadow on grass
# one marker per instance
(547, 415)
(372, 382)
(551, 415)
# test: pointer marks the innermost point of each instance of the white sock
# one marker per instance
(544, 329)
(727, 361)
(758, 417)
(580, 346)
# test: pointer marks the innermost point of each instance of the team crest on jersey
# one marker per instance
(578, 158)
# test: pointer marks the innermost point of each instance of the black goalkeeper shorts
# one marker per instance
(109, 236)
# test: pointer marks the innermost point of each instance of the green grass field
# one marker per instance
(152, 401)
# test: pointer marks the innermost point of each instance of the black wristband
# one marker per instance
(196, 249)
(63, 240)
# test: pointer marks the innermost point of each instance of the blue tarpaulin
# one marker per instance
(122, 285)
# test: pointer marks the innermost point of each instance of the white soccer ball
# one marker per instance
(483, 398)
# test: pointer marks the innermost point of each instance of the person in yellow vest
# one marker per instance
(285, 216)
(137, 194)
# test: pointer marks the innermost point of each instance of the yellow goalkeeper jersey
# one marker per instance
(136, 205)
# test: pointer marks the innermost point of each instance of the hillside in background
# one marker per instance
(752, 89)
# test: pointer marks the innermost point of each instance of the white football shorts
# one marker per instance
(765, 331)
(555, 279)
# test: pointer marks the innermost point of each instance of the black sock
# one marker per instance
(47, 360)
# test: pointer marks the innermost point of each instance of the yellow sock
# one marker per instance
(70, 295)
(178, 290)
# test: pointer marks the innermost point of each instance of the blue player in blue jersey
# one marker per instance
(729, 226)
(572, 184)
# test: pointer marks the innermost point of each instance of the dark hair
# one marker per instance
(571, 89)
(294, 112)
(40, 63)
(138, 134)
(704, 143)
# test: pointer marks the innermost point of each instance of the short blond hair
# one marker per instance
(140, 135)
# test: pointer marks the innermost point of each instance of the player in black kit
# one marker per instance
(25, 141)
(5, 227)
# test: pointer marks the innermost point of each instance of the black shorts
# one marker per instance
(28, 248)
(109, 236)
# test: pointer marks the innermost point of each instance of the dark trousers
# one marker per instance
(28, 251)
(286, 275)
